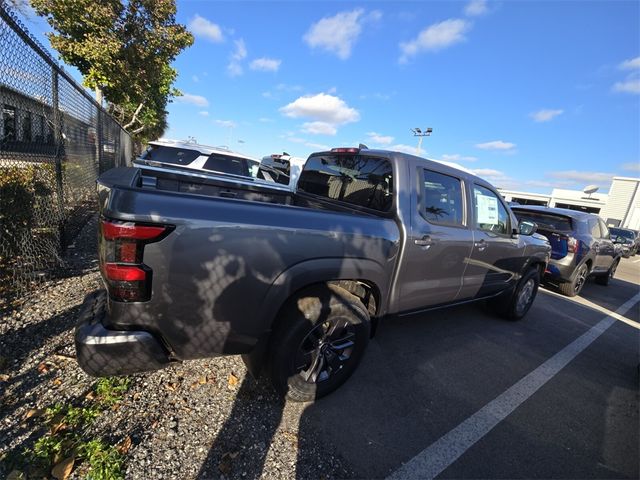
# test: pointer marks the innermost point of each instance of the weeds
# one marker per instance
(68, 441)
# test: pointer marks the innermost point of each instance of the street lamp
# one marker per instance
(421, 134)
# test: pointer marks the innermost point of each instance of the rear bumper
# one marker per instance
(559, 272)
(102, 352)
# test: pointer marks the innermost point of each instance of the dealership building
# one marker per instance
(619, 208)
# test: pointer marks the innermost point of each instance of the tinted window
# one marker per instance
(355, 179)
(442, 198)
(491, 214)
(227, 164)
(622, 233)
(173, 155)
(545, 221)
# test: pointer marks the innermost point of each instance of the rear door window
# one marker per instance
(355, 179)
(442, 199)
(172, 155)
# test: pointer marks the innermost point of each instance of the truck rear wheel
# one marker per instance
(318, 342)
(515, 304)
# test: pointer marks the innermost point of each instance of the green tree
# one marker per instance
(124, 50)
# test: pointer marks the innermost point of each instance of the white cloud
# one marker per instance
(191, 99)
(265, 120)
(401, 147)
(319, 128)
(475, 8)
(435, 37)
(456, 157)
(496, 145)
(452, 165)
(321, 108)
(204, 113)
(496, 177)
(240, 53)
(201, 27)
(338, 34)
(599, 178)
(380, 139)
(632, 166)
(226, 123)
(265, 64)
(318, 146)
(545, 115)
(630, 85)
(631, 64)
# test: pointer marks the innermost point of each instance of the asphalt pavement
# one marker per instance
(458, 393)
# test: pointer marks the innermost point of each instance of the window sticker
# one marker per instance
(487, 209)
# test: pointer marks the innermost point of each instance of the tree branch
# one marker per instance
(138, 130)
(135, 117)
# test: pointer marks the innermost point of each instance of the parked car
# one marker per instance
(281, 168)
(296, 282)
(626, 238)
(581, 246)
(196, 158)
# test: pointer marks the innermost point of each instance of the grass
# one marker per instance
(68, 436)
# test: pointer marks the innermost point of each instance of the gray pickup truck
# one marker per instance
(196, 266)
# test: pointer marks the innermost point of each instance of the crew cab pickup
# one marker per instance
(295, 281)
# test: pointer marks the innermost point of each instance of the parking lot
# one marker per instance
(425, 375)
(455, 393)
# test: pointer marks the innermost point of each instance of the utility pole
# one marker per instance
(421, 134)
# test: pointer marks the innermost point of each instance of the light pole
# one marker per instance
(421, 134)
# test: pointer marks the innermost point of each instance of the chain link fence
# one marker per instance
(54, 142)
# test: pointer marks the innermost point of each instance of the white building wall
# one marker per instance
(623, 206)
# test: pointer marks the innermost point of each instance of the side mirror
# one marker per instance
(526, 227)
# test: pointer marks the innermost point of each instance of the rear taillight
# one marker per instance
(572, 245)
(121, 255)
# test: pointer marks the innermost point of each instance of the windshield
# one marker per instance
(355, 179)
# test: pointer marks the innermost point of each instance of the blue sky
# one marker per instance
(530, 95)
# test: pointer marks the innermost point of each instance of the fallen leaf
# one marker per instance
(154, 424)
(91, 395)
(33, 413)
(124, 446)
(56, 427)
(136, 395)
(63, 469)
(202, 380)
(43, 367)
(4, 378)
(233, 381)
(57, 381)
(171, 386)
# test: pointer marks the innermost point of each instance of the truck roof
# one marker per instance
(567, 212)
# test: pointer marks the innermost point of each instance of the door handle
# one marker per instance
(424, 241)
(481, 245)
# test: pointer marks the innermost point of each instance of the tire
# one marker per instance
(319, 341)
(606, 278)
(574, 287)
(514, 304)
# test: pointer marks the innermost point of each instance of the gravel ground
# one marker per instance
(200, 419)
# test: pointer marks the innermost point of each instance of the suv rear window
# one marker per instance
(355, 179)
(546, 221)
(173, 155)
(228, 164)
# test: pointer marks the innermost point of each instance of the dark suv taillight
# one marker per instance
(121, 252)
(573, 244)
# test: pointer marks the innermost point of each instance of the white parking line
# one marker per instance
(434, 459)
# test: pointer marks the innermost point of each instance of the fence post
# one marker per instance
(59, 149)
(99, 149)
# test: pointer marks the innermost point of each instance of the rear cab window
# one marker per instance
(358, 180)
